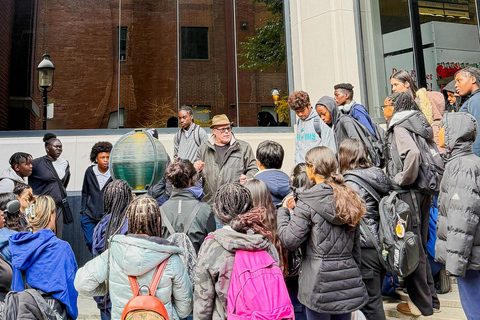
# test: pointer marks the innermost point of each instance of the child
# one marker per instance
(324, 221)
(270, 159)
(458, 228)
(24, 194)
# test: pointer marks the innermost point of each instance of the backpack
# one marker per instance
(146, 306)
(196, 135)
(257, 289)
(374, 144)
(180, 239)
(399, 247)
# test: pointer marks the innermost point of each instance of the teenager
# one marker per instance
(358, 172)
(41, 259)
(6, 232)
(404, 119)
(242, 229)
(330, 283)
(458, 230)
(96, 178)
(186, 199)
(189, 137)
(50, 176)
(138, 254)
(20, 168)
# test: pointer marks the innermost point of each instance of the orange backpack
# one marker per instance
(146, 307)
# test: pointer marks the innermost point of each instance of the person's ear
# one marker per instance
(474, 80)
(16, 167)
(407, 84)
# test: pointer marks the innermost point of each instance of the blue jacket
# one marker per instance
(49, 265)
(98, 238)
(472, 106)
(4, 247)
(277, 181)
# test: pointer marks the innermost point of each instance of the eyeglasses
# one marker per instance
(226, 129)
(386, 106)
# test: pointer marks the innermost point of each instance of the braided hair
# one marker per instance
(144, 217)
(117, 195)
(402, 101)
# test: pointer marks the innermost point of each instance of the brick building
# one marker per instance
(82, 39)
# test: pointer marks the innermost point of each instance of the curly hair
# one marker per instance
(181, 173)
(99, 147)
(144, 217)
(352, 154)
(298, 100)
(350, 208)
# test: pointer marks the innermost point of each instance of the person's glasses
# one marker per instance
(385, 106)
(226, 129)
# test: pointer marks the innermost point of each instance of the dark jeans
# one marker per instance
(292, 287)
(469, 290)
(419, 284)
(312, 315)
(105, 314)
(88, 225)
(372, 276)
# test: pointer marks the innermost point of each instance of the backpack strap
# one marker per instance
(364, 184)
(192, 216)
(196, 135)
(155, 280)
(178, 136)
(316, 126)
(166, 221)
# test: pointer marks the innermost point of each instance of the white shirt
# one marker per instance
(60, 166)
(102, 178)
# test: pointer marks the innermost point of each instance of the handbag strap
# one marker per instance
(155, 280)
(59, 181)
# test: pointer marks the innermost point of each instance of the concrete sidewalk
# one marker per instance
(87, 308)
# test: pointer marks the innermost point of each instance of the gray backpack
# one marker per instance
(181, 239)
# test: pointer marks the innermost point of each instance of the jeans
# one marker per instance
(372, 276)
(105, 314)
(469, 290)
(88, 225)
(312, 315)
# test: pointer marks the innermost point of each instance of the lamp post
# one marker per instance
(45, 82)
(275, 95)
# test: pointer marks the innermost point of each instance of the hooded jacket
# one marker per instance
(49, 265)
(183, 201)
(342, 125)
(358, 112)
(9, 179)
(278, 183)
(450, 87)
(238, 160)
(214, 268)
(458, 228)
(330, 279)
(403, 156)
(5, 234)
(139, 256)
(432, 105)
(378, 181)
(308, 138)
(472, 106)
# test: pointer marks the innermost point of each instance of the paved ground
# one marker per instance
(87, 308)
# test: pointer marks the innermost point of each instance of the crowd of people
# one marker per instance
(222, 210)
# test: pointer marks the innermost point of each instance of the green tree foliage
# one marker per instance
(266, 48)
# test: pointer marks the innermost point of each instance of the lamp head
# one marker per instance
(45, 72)
(275, 94)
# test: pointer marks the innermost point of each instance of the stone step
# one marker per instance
(449, 300)
(446, 313)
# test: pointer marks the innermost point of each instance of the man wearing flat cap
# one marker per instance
(223, 159)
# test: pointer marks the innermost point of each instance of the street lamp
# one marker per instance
(275, 95)
(45, 82)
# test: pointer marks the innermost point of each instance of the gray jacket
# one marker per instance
(238, 160)
(307, 138)
(458, 228)
(184, 201)
(330, 279)
(8, 179)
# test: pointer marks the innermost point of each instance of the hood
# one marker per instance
(460, 133)
(27, 247)
(320, 199)
(413, 121)
(197, 192)
(233, 241)
(278, 182)
(138, 254)
(374, 176)
(450, 87)
(11, 174)
(331, 105)
(437, 102)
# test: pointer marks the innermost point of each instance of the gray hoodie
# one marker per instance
(458, 228)
(9, 178)
(307, 137)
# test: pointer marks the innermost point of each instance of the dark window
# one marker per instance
(123, 43)
(194, 43)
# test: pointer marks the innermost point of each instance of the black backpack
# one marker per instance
(374, 144)
(399, 247)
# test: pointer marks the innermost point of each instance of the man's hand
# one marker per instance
(199, 164)
(243, 179)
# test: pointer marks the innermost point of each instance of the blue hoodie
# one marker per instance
(49, 265)
(278, 183)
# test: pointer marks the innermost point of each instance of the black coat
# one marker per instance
(43, 180)
(92, 195)
(330, 279)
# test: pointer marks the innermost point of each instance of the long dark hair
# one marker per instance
(12, 219)
(349, 207)
(352, 154)
(404, 77)
(117, 195)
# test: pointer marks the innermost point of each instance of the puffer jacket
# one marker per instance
(138, 255)
(458, 228)
(378, 181)
(214, 268)
(330, 279)
(342, 125)
(402, 154)
(238, 160)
